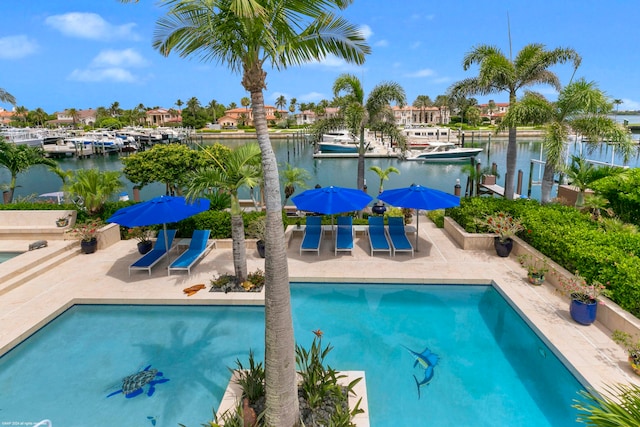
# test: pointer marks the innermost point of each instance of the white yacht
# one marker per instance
(443, 152)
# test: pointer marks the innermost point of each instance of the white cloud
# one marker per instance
(16, 47)
(118, 58)
(366, 31)
(311, 97)
(442, 80)
(334, 63)
(628, 104)
(426, 72)
(102, 75)
(90, 26)
(111, 65)
(381, 43)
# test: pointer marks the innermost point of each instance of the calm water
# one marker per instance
(342, 172)
(492, 369)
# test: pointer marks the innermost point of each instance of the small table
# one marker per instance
(182, 245)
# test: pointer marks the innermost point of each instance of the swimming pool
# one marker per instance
(5, 256)
(492, 369)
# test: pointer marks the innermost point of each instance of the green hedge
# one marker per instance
(571, 239)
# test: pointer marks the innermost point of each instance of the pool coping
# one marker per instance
(103, 278)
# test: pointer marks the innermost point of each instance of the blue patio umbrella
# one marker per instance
(331, 200)
(159, 210)
(419, 197)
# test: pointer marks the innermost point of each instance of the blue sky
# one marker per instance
(58, 54)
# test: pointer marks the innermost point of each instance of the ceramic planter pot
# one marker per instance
(144, 247)
(536, 279)
(378, 209)
(89, 246)
(261, 248)
(503, 249)
(634, 366)
(583, 313)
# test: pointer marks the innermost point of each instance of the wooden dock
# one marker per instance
(495, 189)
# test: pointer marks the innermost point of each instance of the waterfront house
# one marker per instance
(163, 117)
(244, 116)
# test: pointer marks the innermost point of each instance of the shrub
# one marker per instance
(571, 239)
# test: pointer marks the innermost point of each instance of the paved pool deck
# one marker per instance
(65, 277)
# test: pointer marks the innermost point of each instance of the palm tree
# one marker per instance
(580, 174)
(582, 108)
(281, 102)
(239, 169)
(383, 174)
(20, 113)
(292, 105)
(291, 177)
(18, 158)
(286, 33)
(211, 107)
(115, 110)
(357, 114)
(497, 73)
(617, 103)
(245, 102)
(422, 102)
(7, 97)
(40, 116)
(73, 113)
(93, 187)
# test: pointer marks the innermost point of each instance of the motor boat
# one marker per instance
(442, 152)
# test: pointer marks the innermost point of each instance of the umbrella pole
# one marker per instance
(417, 227)
(166, 245)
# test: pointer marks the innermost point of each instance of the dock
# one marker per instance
(381, 154)
(495, 189)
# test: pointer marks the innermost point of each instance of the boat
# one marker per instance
(442, 152)
(23, 136)
(424, 136)
(338, 145)
(340, 141)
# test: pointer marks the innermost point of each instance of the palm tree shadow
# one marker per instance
(194, 365)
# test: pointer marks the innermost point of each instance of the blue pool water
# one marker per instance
(492, 369)
(5, 256)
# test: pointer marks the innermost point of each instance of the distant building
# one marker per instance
(236, 116)
(405, 116)
(83, 117)
(5, 117)
(497, 112)
(163, 117)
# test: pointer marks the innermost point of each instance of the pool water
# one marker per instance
(492, 369)
(5, 256)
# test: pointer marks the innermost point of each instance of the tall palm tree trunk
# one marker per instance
(238, 240)
(512, 155)
(280, 369)
(547, 182)
(361, 151)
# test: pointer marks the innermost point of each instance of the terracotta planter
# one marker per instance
(488, 179)
(89, 246)
(503, 249)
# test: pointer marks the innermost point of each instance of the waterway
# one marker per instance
(341, 171)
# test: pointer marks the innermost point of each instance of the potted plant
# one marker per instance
(505, 226)
(536, 268)
(87, 233)
(631, 346)
(257, 230)
(63, 221)
(584, 297)
(143, 236)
